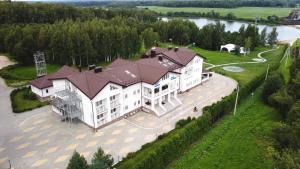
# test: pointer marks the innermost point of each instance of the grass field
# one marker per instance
(221, 57)
(24, 99)
(240, 141)
(241, 12)
(17, 75)
(252, 70)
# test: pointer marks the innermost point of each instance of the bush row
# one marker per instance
(28, 95)
(6, 74)
(169, 146)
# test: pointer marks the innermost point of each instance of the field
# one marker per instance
(243, 140)
(252, 70)
(240, 141)
(18, 75)
(241, 12)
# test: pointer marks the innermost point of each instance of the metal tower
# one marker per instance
(40, 64)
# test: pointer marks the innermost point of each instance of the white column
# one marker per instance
(108, 114)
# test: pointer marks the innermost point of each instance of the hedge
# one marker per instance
(170, 146)
(27, 97)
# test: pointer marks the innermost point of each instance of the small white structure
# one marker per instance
(231, 47)
(100, 96)
(42, 87)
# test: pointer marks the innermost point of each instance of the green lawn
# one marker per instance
(221, 57)
(253, 70)
(18, 75)
(24, 100)
(240, 141)
(241, 12)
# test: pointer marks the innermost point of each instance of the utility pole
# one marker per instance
(236, 99)
(267, 71)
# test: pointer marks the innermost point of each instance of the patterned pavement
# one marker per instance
(43, 141)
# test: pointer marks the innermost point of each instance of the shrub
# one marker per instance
(274, 82)
(281, 100)
(183, 122)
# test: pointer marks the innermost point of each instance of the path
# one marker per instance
(259, 59)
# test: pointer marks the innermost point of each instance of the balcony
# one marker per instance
(114, 104)
(147, 94)
(101, 109)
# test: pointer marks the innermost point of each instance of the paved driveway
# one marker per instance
(38, 139)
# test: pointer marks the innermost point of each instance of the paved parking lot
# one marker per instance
(40, 140)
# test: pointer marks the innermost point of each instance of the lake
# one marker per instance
(284, 32)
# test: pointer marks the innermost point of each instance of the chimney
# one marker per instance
(98, 69)
(176, 49)
(91, 67)
(160, 58)
(153, 52)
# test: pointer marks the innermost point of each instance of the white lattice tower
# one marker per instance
(40, 63)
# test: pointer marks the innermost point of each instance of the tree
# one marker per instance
(77, 162)
(248, 44)
(149, 37)
(272, 84)
(101, 161)
(272, 37)
(263, 37)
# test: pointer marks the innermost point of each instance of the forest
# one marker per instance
(192, 3)
(86, 40)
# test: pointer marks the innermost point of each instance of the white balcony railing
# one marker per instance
(114, 104)
(147, 94)
(101, 109)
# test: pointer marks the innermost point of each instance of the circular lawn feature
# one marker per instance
(233, 69)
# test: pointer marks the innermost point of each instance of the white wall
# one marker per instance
(59, 84)
(42, 92)
(191, 74)
(132, 97)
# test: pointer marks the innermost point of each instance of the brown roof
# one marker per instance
(180, 56)
(41, 82)
(88, 83)
(126, 73)
(63, 72)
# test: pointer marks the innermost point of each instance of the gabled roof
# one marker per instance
(181, 56)
(63, 72)
(88, 83)
(41, 82)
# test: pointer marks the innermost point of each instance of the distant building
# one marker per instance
(231, 48)
(99, 96)
(293, 18)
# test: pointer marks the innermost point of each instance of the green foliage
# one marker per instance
(150, 37)
(183, 122)
(272, 37)
(236, 141)
(77, 161)
(273, 83)
(101, 160)
(22, 99)
(281, 100)
(289, 159)
(294, 112)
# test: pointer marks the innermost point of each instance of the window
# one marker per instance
(134, 92)
(139, 102)
(98, 103)
(156, 90)
(112, 98)
(46, 90)
(113, 110)
(126, 107)
(100, 116)
(125, 96)
(134, 103)
(138, 91)
(164, 87)
(113, 87)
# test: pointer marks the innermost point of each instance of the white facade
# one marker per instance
(116, 101)
(191, 74)
(42, 93)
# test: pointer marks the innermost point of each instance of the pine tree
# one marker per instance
(77, 162)
(101, 160)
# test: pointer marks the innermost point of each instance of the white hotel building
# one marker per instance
(100, 96)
